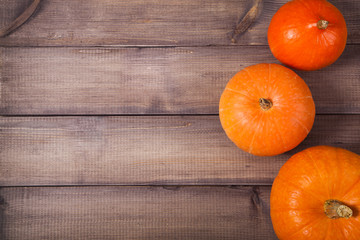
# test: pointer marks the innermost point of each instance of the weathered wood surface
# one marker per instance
(143, 58)
(185, 150)
(20, 20)
(135, 213)
(181, 80)
(151, 22)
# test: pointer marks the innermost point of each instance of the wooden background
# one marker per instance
(109, 123)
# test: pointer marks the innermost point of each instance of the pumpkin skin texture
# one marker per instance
(266, 128)
(303, 185)
(296, 39)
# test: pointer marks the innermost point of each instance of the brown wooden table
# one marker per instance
(109, 123)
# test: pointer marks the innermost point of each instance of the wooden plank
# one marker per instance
(10, 10)
(151, 22)
(60, 81)
(20, 20)
(136, 213)
(180, 150)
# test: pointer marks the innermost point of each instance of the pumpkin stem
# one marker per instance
(335, 209)
(265, 104)
(322, 24)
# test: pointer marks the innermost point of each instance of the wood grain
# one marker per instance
(136, 213)
(20, 20)
(169, 150)
(151, 22)
(64, 176)
(181, 80)
(10, 10)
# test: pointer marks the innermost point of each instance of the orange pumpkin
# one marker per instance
(266, 109)
(316, 195)
(307, 34)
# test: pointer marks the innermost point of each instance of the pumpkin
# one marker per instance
(266, 109)
(316, 195)
(307, 34)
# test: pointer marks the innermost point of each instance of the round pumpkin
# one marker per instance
(316, 195)
(266, 109)
(307, 34)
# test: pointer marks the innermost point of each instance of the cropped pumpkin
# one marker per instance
(266, 109)
(316, 195)
(307, 34)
